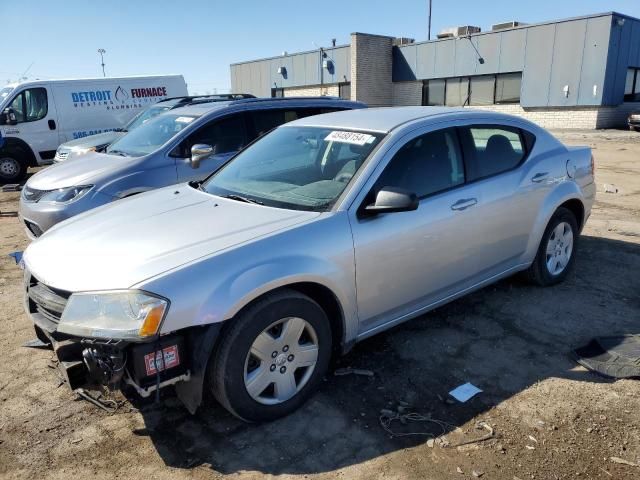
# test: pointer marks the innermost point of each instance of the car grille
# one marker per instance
(33, 228)
(60, 156)
(47, 301)
(32, 195)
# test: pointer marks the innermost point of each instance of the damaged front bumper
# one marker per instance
(178, 358)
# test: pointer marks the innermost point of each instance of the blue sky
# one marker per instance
(200, 38)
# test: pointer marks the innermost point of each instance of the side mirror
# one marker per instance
(199, 152)
(392, 199)
(9, 117)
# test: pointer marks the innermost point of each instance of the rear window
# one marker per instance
(492, 149)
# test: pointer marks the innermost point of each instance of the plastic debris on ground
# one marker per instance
(613, 356)
(17, 256)
(464, 392)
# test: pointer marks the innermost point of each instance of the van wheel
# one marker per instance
(556, 253)
(272, 357)
(12, 168)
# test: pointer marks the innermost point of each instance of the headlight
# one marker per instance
(65, 195)
(123, 315)
(82, 151)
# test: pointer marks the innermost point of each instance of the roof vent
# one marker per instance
(506, 25)
(462, 31)
(402, 41)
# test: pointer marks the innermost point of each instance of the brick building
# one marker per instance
(574, 73)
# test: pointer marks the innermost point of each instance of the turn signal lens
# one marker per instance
(151, 324)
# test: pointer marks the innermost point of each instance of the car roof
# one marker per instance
(382, 119)
(199, 109)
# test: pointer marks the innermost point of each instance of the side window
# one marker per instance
(266, 120)
(426, 165)
(492, 149)
(30, 105)
(224, 135)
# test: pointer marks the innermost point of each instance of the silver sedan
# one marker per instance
(324, 232)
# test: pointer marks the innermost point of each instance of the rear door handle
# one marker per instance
(464, 203)
(539, 177)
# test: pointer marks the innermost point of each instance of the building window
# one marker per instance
(632, 85)
(479, 90)
(457, 92)
(344, 91)
(508, 87)
(483, 89)
(433, 92)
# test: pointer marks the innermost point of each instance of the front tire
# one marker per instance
(556, 253)
(13, 169)
(272, 357)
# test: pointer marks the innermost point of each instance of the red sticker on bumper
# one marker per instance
(158, 361)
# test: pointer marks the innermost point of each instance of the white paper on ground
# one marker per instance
(464, 392)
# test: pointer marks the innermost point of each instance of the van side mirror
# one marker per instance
(9, 117)
(199, 152)
(392, 199)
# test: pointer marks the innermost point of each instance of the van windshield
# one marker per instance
(300, 168)
(151, 135)
(4, 92)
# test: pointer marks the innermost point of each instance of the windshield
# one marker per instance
(151, 135)
(4, 93)
(143, 116)
(302, 168)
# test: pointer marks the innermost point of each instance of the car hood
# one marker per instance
(122, 244)
(83, 170)
(97, 140)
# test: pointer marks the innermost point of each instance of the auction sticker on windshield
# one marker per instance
(355, 138)
(184, 119)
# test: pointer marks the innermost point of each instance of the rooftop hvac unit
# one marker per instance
(506, 25)
(459, 31)
(402, 41)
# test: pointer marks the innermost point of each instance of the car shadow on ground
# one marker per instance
(503, 339)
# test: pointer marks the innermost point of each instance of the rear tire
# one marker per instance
(272, 357)
(556, 253)
(13, 167)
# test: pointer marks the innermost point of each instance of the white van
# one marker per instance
(37, 116)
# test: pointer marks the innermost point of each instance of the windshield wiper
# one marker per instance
(117, 152)
(240, 198)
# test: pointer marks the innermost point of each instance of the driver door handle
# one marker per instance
(464, 203)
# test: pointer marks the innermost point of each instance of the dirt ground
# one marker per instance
(551, 419)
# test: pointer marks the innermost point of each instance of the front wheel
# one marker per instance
(556, 253)
(12, 169)
(272, 357)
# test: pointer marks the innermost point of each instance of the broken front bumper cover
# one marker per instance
(113, 363)
(178, 359)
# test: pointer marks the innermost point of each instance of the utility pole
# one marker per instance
(429, 34)
(102, 51)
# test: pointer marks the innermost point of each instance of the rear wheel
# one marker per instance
(272, 357)
(556, 253)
